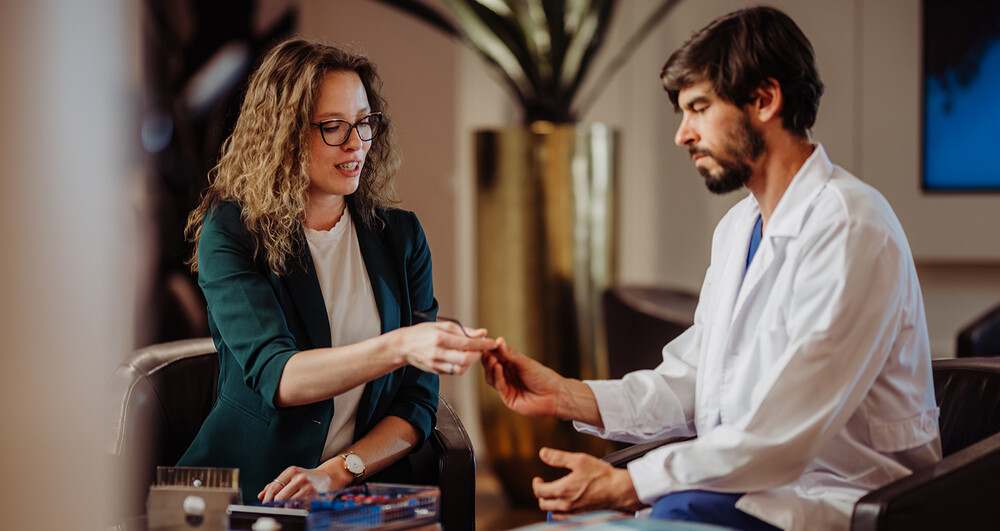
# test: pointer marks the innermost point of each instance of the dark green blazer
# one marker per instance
(259, 320)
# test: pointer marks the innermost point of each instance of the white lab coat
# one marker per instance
(808, 382)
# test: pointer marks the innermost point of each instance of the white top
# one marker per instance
(350, 303)
(808, 382)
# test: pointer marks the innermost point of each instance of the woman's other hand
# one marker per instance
(441, 347)
(298, 482)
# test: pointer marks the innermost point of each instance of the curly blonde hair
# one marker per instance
(262, 166)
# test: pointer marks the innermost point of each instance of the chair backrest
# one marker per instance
(968, 393)
(639, 320)
(981, 337)
(164, 392)
(958, 492)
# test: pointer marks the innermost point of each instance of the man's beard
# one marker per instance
(745, 146)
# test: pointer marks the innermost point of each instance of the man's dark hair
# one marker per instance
(739, 52)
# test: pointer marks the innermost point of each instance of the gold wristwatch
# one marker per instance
(355, 465)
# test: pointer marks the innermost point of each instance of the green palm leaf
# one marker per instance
(543, 49)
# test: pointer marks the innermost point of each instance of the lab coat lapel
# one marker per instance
(762, 262)
(739, 287)
(785, 224)
(733, 279)
(730, 277)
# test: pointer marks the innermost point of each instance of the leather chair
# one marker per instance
(981, 337)
(164, 392)
(639, 320)
(956, 493)
(959, 492)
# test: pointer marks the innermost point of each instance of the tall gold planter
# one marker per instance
(545, 202)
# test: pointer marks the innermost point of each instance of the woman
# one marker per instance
(311, 282)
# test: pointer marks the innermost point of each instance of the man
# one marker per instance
(806, 376)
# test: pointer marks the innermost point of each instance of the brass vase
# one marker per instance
(545, 206)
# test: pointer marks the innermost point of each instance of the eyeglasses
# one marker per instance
(336, 132)
(430, 317)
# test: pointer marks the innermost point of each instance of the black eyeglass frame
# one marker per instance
(350, 128)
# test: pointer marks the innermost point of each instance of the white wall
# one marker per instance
(65, 316)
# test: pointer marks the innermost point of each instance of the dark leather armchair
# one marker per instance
(956, 493)
(164, 392)
(981, 337)
(639, 320)
(959, 492)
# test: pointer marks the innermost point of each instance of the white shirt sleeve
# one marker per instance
(649, 405)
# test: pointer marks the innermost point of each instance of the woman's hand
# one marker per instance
(297, 482)
(441, 347)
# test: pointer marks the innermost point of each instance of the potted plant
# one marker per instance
(542, 49)
(545, 194)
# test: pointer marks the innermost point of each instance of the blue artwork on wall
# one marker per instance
(961, 133)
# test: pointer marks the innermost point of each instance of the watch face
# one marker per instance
(354, 464)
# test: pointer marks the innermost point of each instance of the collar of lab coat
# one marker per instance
(788, 216)
(785, 222)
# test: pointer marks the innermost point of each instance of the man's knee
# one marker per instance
(693, 505)
(708, 508)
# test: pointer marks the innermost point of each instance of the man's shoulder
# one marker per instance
(849, 206)
(856, 199)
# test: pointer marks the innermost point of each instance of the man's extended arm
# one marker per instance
(533, 389)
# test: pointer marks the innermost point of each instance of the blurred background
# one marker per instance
(113, 112)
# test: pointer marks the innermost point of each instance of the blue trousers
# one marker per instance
(708, 508)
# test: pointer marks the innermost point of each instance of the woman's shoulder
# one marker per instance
(400, 220)
(401, 230)
(224, 212)
(224, 218)
(397, 215)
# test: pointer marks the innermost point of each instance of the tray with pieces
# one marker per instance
(380, 506)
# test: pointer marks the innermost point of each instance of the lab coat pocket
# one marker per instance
(904, 434)
(820, 484)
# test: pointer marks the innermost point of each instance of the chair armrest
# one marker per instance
(457, 469)
(958, 492)
(623, 457)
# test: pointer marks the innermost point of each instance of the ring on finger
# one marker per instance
(279, 482)
(451, 369)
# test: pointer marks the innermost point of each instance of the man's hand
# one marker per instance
(532, 389)
(524, 385)
(591, 485)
